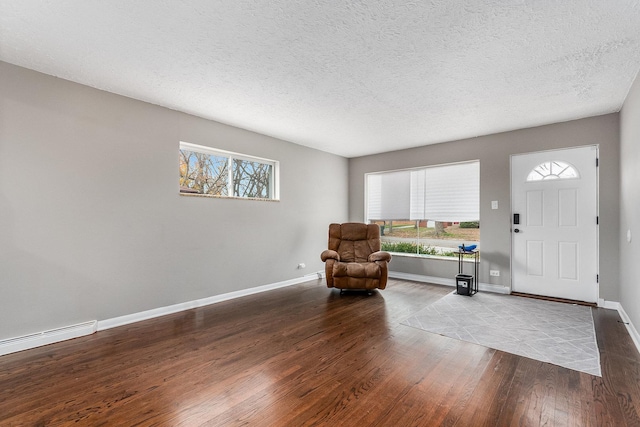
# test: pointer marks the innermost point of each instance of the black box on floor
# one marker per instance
(464, 284)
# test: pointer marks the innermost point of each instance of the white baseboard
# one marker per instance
(485, 287)
(633, 332)
(175, 308)
(25, 342)
(610, 305)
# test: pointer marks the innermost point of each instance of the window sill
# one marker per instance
(209, 196)
(432, 257)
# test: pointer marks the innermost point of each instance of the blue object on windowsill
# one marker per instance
(469, 248)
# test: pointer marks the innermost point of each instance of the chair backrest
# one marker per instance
(354, 241)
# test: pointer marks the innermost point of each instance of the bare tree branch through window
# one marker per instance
(208, 173)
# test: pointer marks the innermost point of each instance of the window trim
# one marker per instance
(274, 182)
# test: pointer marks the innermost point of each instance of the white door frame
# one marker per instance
(511, 216)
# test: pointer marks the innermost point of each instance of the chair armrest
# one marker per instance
(380, 256)
(329, 254)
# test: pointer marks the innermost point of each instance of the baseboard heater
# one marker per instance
(38, 339)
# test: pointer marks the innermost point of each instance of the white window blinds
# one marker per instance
(388, 196)
(438, 193)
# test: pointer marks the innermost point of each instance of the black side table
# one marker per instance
(467, 284)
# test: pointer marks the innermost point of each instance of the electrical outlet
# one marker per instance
(494, 204)
(495, 273)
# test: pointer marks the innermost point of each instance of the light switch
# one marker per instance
(494, 204)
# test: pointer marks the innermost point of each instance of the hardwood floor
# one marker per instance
(305, 355)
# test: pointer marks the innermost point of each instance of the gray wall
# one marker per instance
(494, 153)
(92, 225)
(630, 203)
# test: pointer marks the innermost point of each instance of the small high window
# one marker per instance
(552, 170)
(218, 173)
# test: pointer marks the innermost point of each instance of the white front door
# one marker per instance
(554, 223)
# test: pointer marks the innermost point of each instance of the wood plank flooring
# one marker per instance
(306, 355)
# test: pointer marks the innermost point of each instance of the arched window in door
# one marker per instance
(554, 169)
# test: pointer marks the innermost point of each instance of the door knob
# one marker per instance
(516, 230)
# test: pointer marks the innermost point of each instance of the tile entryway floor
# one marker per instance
(553, 332)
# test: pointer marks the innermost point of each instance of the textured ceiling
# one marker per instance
(349, 77)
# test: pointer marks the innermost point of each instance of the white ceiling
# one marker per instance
(348, 77)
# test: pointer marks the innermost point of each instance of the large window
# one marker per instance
(426, 211)
(218, 173)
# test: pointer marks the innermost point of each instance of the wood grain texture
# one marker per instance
(306, 355)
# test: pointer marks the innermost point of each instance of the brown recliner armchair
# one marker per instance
(354, 259)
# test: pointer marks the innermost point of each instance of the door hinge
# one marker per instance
(597, 278)
(598, 220)
(597, 162)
